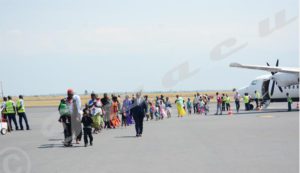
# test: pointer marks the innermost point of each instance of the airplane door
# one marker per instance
(265, 90)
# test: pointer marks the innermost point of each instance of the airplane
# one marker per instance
(273, 87)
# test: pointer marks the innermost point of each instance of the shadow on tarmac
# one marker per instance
(264, 111)
(47, 146)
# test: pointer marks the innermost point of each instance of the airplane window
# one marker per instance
(254, 82)
(297, 86)
(289, 87)
(293, 86)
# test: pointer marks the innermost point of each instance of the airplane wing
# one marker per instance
(267, 68)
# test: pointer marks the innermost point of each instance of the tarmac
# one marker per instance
(250, 142)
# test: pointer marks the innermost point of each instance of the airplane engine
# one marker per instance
(286, 79)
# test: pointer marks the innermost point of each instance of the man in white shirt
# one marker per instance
(237, 98)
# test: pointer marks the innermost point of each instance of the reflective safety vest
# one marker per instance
(224, 99)
(257, 95)
(246, 99)
(20, 108)
(228, 100)
(290, 100)
(10, 107)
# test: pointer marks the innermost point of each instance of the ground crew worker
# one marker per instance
(290, 102)
(21, 112)
(227, 101)
(10, 109)
(257, 97)
(247, 101)
(223, 102)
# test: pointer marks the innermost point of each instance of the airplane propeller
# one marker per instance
(274, 82)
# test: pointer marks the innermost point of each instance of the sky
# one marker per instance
(47, 46)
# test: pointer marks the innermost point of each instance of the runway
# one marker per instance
(260, 142)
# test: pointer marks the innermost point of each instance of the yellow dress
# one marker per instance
(181, 111)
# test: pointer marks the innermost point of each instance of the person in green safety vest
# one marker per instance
(290, 102)
(257, 98)
(227, 101)
(10, 109)
(21, 113)
(247, 101)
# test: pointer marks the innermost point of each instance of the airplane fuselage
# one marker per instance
(263, 84)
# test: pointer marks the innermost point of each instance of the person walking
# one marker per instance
(290, 102)
(65, 119)
(138, 113)
(87, 122)
(74, 104)
(237, 98)
(168, 107)
(21, 113)
(195, 104)
(223, 102)
(180, 106)
(189, 106)
(126, 118)
(10, 109)
(106, 103)
(219, 104)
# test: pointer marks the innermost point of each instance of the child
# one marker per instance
(65, 119)
(157, 116)
(152, 110)
(162, 110)
(189, 106)
(202, 106)
(87, 122)
(168, 107)
(206, 106)
(124, 121)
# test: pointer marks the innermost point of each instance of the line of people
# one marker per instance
(9, 110)
(99, 114)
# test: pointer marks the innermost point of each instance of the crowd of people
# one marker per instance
(111, 112)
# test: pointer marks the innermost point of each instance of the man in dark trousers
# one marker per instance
(10, 109)
(21, 112)
(138, 112)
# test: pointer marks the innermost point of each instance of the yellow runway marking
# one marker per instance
(266, 116)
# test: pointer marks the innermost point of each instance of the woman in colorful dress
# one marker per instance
(180, 106)
(115, 121)
(127, 103)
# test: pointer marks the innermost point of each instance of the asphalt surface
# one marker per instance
(250, 142)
